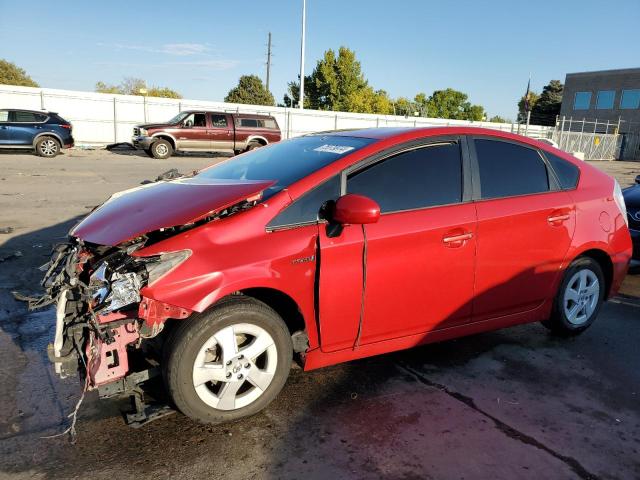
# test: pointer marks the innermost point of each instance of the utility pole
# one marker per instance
(304, 15)
(268, 60)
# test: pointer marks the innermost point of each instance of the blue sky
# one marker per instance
(200, 48)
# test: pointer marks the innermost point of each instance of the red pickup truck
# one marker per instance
(202, 131)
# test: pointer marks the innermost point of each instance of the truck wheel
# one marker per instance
(579, 298)
(161, 149)
(229, 362)
(47, 147)
(148, 152)
(253, 146)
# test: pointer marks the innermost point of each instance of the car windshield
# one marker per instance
(178, 118)
(286, 162)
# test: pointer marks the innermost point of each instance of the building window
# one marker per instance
(605, 99)
(630, 99)
(582, 101)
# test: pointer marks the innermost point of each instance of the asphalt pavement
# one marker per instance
(516, 403)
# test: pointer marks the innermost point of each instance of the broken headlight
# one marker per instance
(111, 291)
(162, 264)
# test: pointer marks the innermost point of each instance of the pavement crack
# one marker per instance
(508, 430)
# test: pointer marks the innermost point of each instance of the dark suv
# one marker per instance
(45, 132)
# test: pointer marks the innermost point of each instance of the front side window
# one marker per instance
(196, 120)
(286, 162)
(420, 178)
(306, 209)
(507, 169)
(218, 121)
(582, 101)
(630, 99)
(605, 99)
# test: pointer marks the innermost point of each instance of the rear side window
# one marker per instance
(249, 122)
(269, 123)
(420, 178)
(507, 169)
(307, 208)
(28, 117)
(4, 115)
(218, 121)
(566, 172)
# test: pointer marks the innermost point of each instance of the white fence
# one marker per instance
(100, 119)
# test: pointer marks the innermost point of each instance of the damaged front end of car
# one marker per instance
(104, 326)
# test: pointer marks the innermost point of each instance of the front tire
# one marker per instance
(148, 152)
(579, 298)
(229, 362)
(161, 149)
(47, 147)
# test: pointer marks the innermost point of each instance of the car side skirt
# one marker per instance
(317, 359)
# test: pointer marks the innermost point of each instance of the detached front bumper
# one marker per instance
(142, 142)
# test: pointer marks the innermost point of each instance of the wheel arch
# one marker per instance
(283, 304)
(606, 264)
(47, 134)
(165, 136)
(257, 138)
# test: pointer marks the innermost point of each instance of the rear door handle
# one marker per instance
(458, 238)
(558, 218)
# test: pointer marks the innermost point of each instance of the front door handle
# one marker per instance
(558, 218)
(457, 240)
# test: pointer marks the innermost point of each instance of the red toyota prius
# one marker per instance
(327, 248)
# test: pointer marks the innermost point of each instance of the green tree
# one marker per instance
(102, 87)
(453, 104)
(547, 108)
(250, 90)
(498, 119)
(337, 83)
(533, 99)
(404, 106)
(135, 86)
(11, 74)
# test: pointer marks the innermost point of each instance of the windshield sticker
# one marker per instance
(337, 149)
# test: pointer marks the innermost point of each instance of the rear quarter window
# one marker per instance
(249, 122)
(567, 173)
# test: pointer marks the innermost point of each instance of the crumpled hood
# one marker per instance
(131, 213)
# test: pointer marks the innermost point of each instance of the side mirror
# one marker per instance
(638, 179)
(352, 209)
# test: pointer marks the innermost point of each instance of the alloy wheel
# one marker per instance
(235, 366)
(581, 296)
(48, 147)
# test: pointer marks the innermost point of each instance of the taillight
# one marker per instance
(66, 126)
(619, 198)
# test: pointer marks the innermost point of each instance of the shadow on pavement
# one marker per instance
(516, 403)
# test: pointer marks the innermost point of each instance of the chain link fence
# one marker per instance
(590, 140)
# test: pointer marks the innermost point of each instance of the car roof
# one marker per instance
(237, 115)
(46, 112)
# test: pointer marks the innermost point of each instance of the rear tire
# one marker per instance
(148, 152)
(47, 147)
(579, 298)
(161, 149)
(253, 146)
(229, 362)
